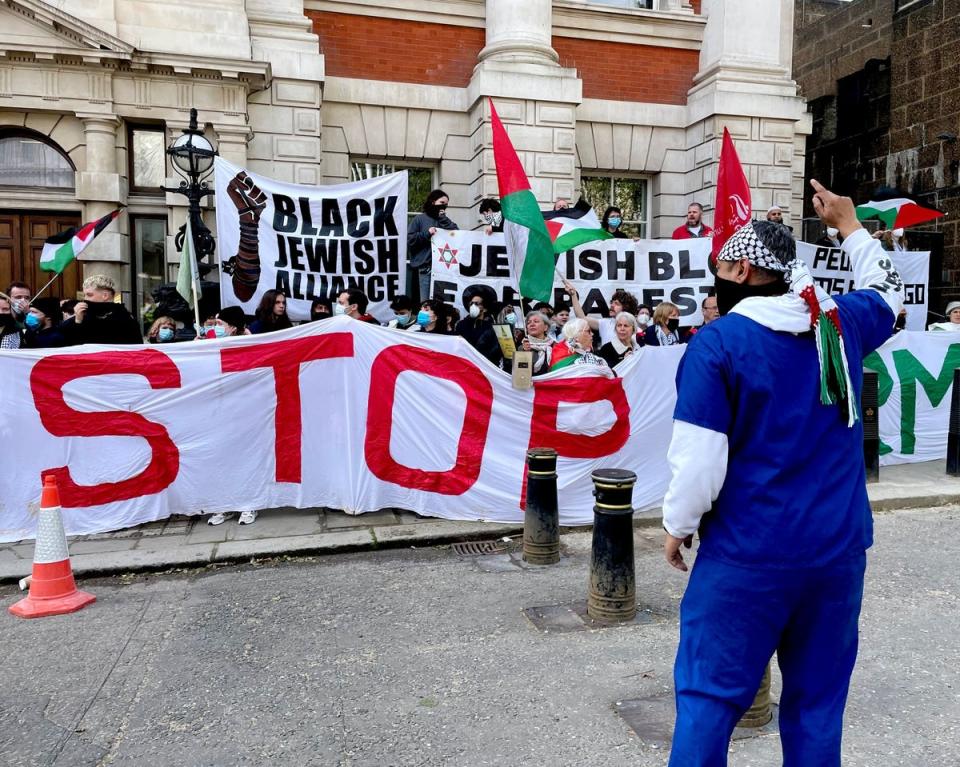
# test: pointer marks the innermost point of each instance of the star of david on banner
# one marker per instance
(447, 255)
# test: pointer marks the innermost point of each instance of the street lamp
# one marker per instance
(192, 158)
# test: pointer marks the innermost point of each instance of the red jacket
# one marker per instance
(682, 233)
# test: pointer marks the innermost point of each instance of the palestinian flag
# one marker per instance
(574, 226)
(61, 249)
(898, 213)
(529, 247)
(561, 356)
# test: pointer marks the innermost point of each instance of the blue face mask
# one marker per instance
(403, 319)
(165, 334)
(614, 222)
(423, 318)
(511, 318)
(219, 331)
(32, 321)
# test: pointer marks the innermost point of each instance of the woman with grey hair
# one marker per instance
(576, 347)
(624, 341)
(538, 341)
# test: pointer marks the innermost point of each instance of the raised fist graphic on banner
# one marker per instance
(245, 265)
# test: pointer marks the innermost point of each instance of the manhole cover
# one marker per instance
(478, 548)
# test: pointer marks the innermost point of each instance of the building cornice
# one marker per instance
(63, 24)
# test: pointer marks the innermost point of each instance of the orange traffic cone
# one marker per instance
(52, 588)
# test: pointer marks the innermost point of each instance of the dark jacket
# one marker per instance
(105, 323)
(46, 338)
(618, 235)
(610, 355)
(650, 336)
(418, 238)
(480, 335)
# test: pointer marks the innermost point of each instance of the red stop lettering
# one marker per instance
(546, 404)
(51, 374)
(388, 365)
(286, 357)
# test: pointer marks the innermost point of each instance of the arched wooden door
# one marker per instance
(22, 234)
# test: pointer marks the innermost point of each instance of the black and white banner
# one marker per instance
(309, 241)
(653, 270)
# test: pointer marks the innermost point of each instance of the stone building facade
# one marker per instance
(622, 100)
(883, 82)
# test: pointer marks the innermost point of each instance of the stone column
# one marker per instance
(519, 32)
(101, 188)
(749, 90)
(535, 97)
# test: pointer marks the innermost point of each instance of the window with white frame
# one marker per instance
(420, 178)
(630, 195)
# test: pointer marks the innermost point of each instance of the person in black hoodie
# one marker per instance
(419, 232)
(43, 325)
(477, 327)
(98, 319)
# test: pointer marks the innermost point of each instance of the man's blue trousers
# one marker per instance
(732, 619)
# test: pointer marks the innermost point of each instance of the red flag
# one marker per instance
(733, 208)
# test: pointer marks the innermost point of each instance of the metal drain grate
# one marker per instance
(478, 548)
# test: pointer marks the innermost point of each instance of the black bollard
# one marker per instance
(613, 596)
(870, 412)
(541, 519)
(953, 430)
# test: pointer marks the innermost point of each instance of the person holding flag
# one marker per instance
(767, 465)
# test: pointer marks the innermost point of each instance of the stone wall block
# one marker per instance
(375, 130)
(564, 140)
(563, 115)
(306, 122)
(554, 165)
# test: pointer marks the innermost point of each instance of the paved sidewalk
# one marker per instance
(191, 542)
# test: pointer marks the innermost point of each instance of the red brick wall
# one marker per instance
(625, 72)
(395, 49)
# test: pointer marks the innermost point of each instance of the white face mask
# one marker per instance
(339, 309)
(832, 232)
(474, 310)
(643, 319)
(897, 233)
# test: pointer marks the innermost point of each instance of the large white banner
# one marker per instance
(338, 413)
(653, 270)
(831, 269)
(309, 241)
(915, 375)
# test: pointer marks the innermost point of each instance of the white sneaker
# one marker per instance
(248, 517)
(217, 519)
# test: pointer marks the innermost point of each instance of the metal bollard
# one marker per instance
(759, 712)
(953, 430)
(613, 596)
(541, 519)
(870, 412)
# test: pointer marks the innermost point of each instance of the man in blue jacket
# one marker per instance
(767, 462)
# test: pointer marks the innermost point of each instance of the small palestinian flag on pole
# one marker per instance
(898, 213)
(61, 249)
(570, 227)
(529, 248)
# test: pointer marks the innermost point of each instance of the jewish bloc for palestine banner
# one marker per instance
(653, 270)
(310, 241)
(831, 269)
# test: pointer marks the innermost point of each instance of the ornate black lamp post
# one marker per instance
(192, 157)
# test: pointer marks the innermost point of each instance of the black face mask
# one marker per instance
(730, 293)
(673, 324)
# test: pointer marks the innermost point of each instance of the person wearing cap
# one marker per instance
(767, 465)
(952, 323)
(42, 323)
(775, 214)
(231, 321)
(477, 327)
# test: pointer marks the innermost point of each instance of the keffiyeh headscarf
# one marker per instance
(820, 310)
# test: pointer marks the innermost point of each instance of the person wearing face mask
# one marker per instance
(98, 319)
(10, 335)
(432, 318)
(231, 321)
(43, 325)
(767, 464)
(831, 238)
(320, 309)
(477, 327)
(620, 301)
(491, 215)
(20, 295)
(353, 303)
(665, 328)
(612, 221)
(404, 313)
(508, 316)
(893, 239)
(644, 318)
(162, 331)
(419, 233)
